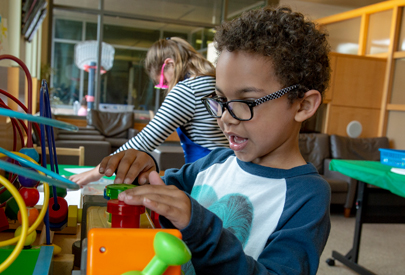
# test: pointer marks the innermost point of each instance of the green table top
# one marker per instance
(371, 172)
(67, 174)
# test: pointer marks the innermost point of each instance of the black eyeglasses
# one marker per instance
(239, 109)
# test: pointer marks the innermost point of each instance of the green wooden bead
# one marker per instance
(60, 192)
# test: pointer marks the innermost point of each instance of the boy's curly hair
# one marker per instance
(296, 48)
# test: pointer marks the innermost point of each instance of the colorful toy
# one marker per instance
(169, 251)
(124, 215)
(155, 250)
(28, 177)
(105, 247)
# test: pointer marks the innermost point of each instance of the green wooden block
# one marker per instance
(114, 189)
(25, 262)
(5, 195)
(12, 209)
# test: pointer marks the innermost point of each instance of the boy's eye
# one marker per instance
(220, 99)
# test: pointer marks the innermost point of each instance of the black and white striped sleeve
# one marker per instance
(176, 110)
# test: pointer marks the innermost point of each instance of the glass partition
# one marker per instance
(344, 36)
(378, 39)
(131, 27)
(67, 82)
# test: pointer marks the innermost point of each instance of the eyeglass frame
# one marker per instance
(251, 103)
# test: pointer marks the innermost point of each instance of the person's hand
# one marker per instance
(129, 165)
(166, 200)
(86, 177)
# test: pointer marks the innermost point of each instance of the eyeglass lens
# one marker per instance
(239, 109)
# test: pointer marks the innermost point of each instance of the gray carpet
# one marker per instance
(382, 247)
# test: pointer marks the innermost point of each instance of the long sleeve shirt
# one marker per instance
(251, 219)
(182, 107)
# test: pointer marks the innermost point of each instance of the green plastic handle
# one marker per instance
(169, 250)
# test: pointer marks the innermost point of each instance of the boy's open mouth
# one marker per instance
(237, 143)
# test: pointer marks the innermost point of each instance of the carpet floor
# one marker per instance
(382, 247)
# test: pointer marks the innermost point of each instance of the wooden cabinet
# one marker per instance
(355, 93)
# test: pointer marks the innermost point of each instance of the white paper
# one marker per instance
(73, 197)
(398, 171)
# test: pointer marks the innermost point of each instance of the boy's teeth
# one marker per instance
(239, 139)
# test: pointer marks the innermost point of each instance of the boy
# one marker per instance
(258, 207)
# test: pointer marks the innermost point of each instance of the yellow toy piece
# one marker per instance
(79, 215)
(30, 237)
(56, 249)
(72, 216)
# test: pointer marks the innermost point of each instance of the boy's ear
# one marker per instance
(308, 105)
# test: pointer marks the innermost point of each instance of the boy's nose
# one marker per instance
(227, 118)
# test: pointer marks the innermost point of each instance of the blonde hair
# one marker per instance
(187, 61)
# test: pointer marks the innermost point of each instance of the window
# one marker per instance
(127, 81)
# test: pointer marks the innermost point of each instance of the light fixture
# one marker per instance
(86, 59)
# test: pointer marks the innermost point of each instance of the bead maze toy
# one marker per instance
(19, 194)
(156, 251)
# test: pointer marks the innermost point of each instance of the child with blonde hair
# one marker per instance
(187, 76)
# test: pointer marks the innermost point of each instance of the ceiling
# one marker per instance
(211, 9)
(321, 8)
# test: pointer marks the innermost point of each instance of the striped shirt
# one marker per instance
(182, 107)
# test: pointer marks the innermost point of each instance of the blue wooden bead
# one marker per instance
(31, 152)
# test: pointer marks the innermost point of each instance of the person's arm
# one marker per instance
(87, 177)
(293, 248)
(177, 109)
(167, 119)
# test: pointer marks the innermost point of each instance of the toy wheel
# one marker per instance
(330, 262)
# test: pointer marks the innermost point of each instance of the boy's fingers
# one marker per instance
(155, 179)
(177, 210)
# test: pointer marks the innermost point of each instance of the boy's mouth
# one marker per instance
(237, 143)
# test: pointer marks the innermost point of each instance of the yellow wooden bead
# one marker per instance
(30, 237)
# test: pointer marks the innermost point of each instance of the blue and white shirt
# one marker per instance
(182, 107)
(251, 219)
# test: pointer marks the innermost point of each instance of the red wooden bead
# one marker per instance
(58, 215)
(30, 196)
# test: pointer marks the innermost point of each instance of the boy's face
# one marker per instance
(271, 135)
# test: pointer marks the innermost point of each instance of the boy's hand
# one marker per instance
(166, 200)
(131, 164)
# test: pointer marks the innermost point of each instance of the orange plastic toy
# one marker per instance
(114, 251)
